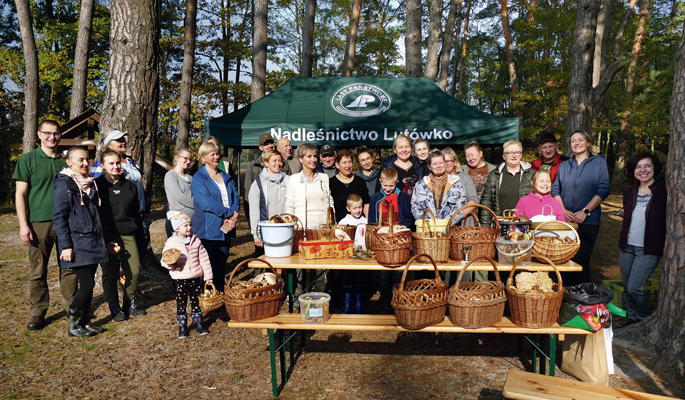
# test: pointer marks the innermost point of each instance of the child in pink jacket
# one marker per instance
(539, 201)
(187, 271)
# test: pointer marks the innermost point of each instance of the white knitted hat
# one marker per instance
(177, 219)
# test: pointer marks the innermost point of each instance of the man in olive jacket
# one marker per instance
(507, 183)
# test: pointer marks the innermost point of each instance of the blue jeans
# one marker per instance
(636, 268)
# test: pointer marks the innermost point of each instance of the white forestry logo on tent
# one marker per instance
(360, 100)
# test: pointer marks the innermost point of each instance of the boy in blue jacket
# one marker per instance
(380, 204)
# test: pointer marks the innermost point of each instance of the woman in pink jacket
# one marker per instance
(540, 201)
(187, 271)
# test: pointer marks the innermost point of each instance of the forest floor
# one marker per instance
(141, 358)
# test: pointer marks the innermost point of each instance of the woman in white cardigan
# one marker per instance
(308, 196)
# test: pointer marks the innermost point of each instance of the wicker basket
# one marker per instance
(392, 249)
(214, 301)
(245, 305)
(328, 230)
(508, 214)
(477, 304)
(558, 253)
(420, 303)
(299, 232)
(431, 242)
(481, 238)
(373, 227)
(534, 310)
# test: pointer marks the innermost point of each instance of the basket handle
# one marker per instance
(330, 212)
(494, 216)
(411, 261)
(486, 258)
(237, 267)
(391, 218)
(509, 213)
(510, 280)
(380, 219)
(551, 210)
(213, 289)
(294, 217)
(435, 226)
(535, 232)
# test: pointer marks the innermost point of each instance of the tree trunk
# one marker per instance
(260, 16)
(511, 62)
(348, 62)
(530, 8)
(412, 40)
(307, 67)
(623, 139)
(435, 17)
(78, 89)
(666, 326)
(239, 60)
(225, 37)
(31, 79)
(185, 102)
(605, 20)
(447, 43)
(464, 42)
(131, 100)
(455, 63)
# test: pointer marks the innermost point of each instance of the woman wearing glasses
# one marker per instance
(177, 187)
(507, 183)
(582, 184)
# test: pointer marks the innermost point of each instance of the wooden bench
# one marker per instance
(355, 322)
(526, 386)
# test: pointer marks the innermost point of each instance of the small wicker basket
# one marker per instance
(558, 253)
(328, 230)
(419, 303)
(534, 310)
(435, 244)
(477, 304)
(245, 305)
(212, 302)
(392, 249)
(374, 226)
(481, 238)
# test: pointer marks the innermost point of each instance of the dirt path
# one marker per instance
(142, 358)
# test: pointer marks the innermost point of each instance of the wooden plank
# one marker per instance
(295, 262)
(527, 386)
(365, 322)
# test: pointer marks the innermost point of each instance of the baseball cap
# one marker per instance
(264, 138)
(114, 135)
(547, 137)
(327, 150)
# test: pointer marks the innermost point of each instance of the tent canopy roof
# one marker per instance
(348, 112)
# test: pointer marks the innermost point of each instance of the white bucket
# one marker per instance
(277, 238)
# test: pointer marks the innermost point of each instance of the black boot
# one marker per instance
(85, 322)
(182, 320)
(116, 312)
(197, 321)
(135, 310)
(360, 301)
(75, 329)
(349, 301)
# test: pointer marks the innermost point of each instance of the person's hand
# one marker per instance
(26, 234)
(67, 255)
(113, 248)
(258, 243)
(234, 217)
(570, 217)
(580, 216)
(231, 224)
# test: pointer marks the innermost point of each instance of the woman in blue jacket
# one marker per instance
(217, 202)
(81, 244)
(582, 184)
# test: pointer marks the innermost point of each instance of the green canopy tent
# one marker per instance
(348, 112)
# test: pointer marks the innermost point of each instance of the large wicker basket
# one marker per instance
(245, 305)
(392, 249)
(211, 299)
(558, 253)
(328, 231)
(419, 303)
(477, 304)
(534, 310)
(373, 227)
(480, 238)
(435, 244)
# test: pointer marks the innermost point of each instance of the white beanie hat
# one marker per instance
(177, 219)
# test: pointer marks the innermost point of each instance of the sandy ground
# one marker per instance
(142, 358)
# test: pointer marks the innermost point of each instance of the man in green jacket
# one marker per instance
(507, 183)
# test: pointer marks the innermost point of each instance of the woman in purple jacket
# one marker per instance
(644, 204)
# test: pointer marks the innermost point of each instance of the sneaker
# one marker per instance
(135, 310)
(36, 323)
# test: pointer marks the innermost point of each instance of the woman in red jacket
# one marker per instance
(644, 204)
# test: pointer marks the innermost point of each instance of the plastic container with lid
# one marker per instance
(315, 307)
(511, 250)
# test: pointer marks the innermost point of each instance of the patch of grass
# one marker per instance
(19, 278)
(109, 346)
(237, 377)
(11, 396)
(52, 369)
(90, 347)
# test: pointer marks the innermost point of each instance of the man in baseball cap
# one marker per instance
(549, 155)
(327, 164)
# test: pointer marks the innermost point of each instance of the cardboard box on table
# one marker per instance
(317, 249)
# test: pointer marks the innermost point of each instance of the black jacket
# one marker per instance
(78, 226)
(119, 206)
(655, 221)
